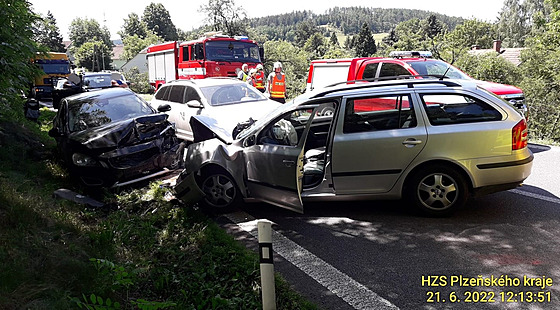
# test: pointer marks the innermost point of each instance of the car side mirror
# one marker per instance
(249, 141)
(195, 104)
(164, 108)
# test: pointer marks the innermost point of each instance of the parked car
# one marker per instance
(434, 142)
(401, 64)
(112, 137)
(228, 101)
(87, 81)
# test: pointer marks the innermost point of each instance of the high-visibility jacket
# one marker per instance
(278, 87)
(259, 80)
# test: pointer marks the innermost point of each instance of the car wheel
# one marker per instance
(221, 192)
(438, 190)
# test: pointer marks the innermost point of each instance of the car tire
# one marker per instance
(221, 192)
(438, 190)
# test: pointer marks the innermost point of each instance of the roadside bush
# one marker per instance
(138, 81)
(489, 67)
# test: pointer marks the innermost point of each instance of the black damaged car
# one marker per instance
(112, 137)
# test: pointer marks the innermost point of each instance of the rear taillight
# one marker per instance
(519, 135)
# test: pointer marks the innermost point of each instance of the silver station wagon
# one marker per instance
(433, 142)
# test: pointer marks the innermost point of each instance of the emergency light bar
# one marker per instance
(400, 54)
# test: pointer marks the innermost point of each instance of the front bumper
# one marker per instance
(187, 189)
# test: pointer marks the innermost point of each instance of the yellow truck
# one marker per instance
(54, 66)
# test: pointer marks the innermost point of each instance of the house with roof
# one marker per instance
(512, 55)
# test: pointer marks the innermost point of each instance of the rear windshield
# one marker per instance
(96, 111)
(230, 94)
(97, 81)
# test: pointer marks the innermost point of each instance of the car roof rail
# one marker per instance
(408, 80)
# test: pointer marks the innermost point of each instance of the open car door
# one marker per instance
(274, 159)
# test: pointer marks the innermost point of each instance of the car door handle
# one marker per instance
(288, 162)
(411, 142)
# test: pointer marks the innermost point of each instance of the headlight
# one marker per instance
(83, 160)
(510, 97)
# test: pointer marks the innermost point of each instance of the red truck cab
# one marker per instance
(405, 64)
(214, 55)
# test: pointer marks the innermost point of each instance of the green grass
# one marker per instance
(140, 251)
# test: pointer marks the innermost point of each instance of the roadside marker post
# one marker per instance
(267, 265)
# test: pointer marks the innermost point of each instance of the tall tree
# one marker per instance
(92, 46)
(17, 48)
(226, 16)
(513, 24)
(364, 43)
(134, 44)
(133, 26)
(472, 32)
(541, 82)
(334, 40)
(86, 30)
(433, 27)
(47, 33)
(158, 20)
(93, 55)
(316, 46)
(304, 31)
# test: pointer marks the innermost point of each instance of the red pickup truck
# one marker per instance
(405, 64)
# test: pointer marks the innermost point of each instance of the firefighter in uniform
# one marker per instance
(259, 79)
(242, 74)
(277, 84)
(251, 78)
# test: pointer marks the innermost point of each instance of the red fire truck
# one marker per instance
(210, 56)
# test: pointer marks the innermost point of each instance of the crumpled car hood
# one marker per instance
(122, 133)
(206, 128)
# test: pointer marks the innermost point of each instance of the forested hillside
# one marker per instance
(349, 20)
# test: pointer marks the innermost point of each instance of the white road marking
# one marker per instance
(340, 284)
(537, 196)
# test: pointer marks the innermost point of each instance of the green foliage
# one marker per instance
(157, 19)
(541, 81)
(92, 46)
(472, 32)
(133, 26)
(138, 81)
(489, 67)
(96, 303)
(16, 49)
(47, 34)
(133, 44)
(226, 16)
(93, 55)
(364, 43)
(88, 30)
(295, 64)
(316, 46)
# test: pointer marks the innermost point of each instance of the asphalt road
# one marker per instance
(381, 255)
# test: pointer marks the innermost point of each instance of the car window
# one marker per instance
(287, 130)
(97, 81)
(444, 109)
(191, 94)
(99, 111)
(176, 93)
(370, 71)
(378, 113)
(437, 68)
(392, 69)
(163, 93)
(231, 93)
